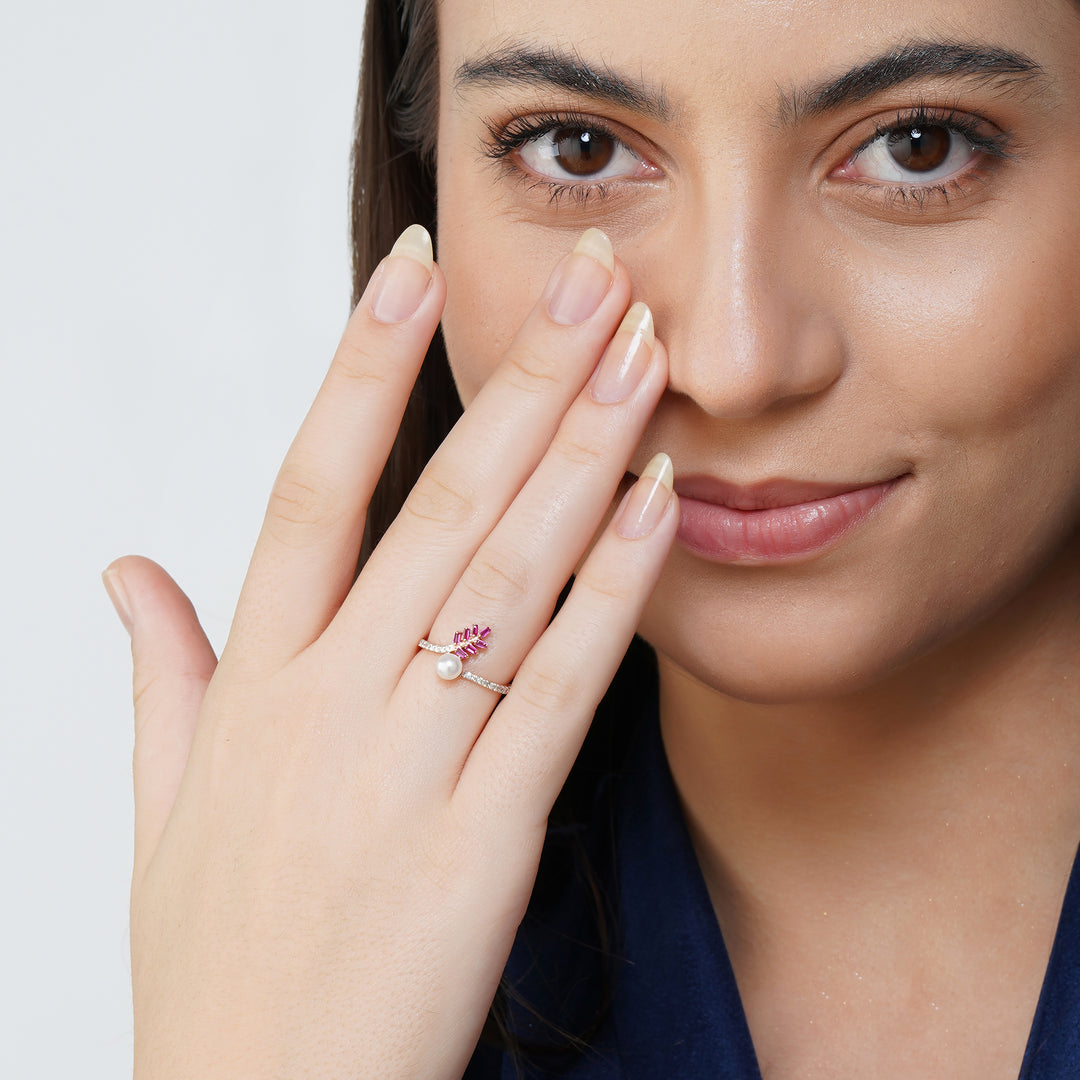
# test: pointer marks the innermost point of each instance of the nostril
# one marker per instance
(758, 369)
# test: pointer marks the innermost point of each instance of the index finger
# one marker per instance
(305, 556)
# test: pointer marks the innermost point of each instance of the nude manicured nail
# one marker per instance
(403, 277)
(582, 280)
(646, 501)
(626, 358)
(114, 586)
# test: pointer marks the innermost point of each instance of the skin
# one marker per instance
(872, 736)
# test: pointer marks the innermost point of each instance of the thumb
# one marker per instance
(173, 662)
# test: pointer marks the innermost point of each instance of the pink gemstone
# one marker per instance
(470, 649)
(462, 653)
(475, 630)
(481, 644)
(485, 631)
(457, 637)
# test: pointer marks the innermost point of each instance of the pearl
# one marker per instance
(448, 666)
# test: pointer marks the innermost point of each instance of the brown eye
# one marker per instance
(920, 149)
(578, 155)
(581, 152)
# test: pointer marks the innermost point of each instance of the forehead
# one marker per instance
(764, 51)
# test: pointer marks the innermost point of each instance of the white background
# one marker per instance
(173, 278)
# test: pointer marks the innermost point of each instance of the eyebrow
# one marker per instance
(557, 70)
(554, 69)
(1000, 69)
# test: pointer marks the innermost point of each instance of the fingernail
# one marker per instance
(582, 280)
(114, 586)
(645, 503)
(626, 358)
(403, 277)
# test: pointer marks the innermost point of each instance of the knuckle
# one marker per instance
(611, 589)
(448, 503)
(578, 453)
(497, 579)
(353, 364)
(544, 693)
(145, 699)
(532, 372)
(300, 499)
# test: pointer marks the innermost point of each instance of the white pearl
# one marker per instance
(449, 666)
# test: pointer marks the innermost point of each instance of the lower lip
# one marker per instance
(778, 534)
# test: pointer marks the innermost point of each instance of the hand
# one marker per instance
(333, 846)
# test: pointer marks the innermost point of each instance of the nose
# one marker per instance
(751, 328)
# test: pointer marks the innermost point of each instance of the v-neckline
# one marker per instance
(677, 1009)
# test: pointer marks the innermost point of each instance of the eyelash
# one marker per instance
(994, 147)
(505, 139)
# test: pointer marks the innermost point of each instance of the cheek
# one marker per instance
(495, 271)
(979, 353)
(976, 361)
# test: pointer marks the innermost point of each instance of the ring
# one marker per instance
(467, 642)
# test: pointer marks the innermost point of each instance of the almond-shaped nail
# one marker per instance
(626, 358)
(403, 277)
(646, 501)
(114, 586)
(582, 280)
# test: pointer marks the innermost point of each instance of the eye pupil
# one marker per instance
(582, 152)
(920, 149)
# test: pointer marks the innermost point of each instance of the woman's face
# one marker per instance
(857, 226)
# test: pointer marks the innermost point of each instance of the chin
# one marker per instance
(789, 649)
(776, 672)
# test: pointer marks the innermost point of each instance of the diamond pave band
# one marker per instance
(466, 643)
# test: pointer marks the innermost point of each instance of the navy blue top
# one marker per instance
(675, 1010)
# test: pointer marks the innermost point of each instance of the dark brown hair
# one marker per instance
(393, 185)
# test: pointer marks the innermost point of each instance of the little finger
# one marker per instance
(523, 755)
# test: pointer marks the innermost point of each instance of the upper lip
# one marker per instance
(766, 494)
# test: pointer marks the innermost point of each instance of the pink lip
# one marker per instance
(772, 521)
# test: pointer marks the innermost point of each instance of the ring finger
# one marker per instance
(513, 580)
